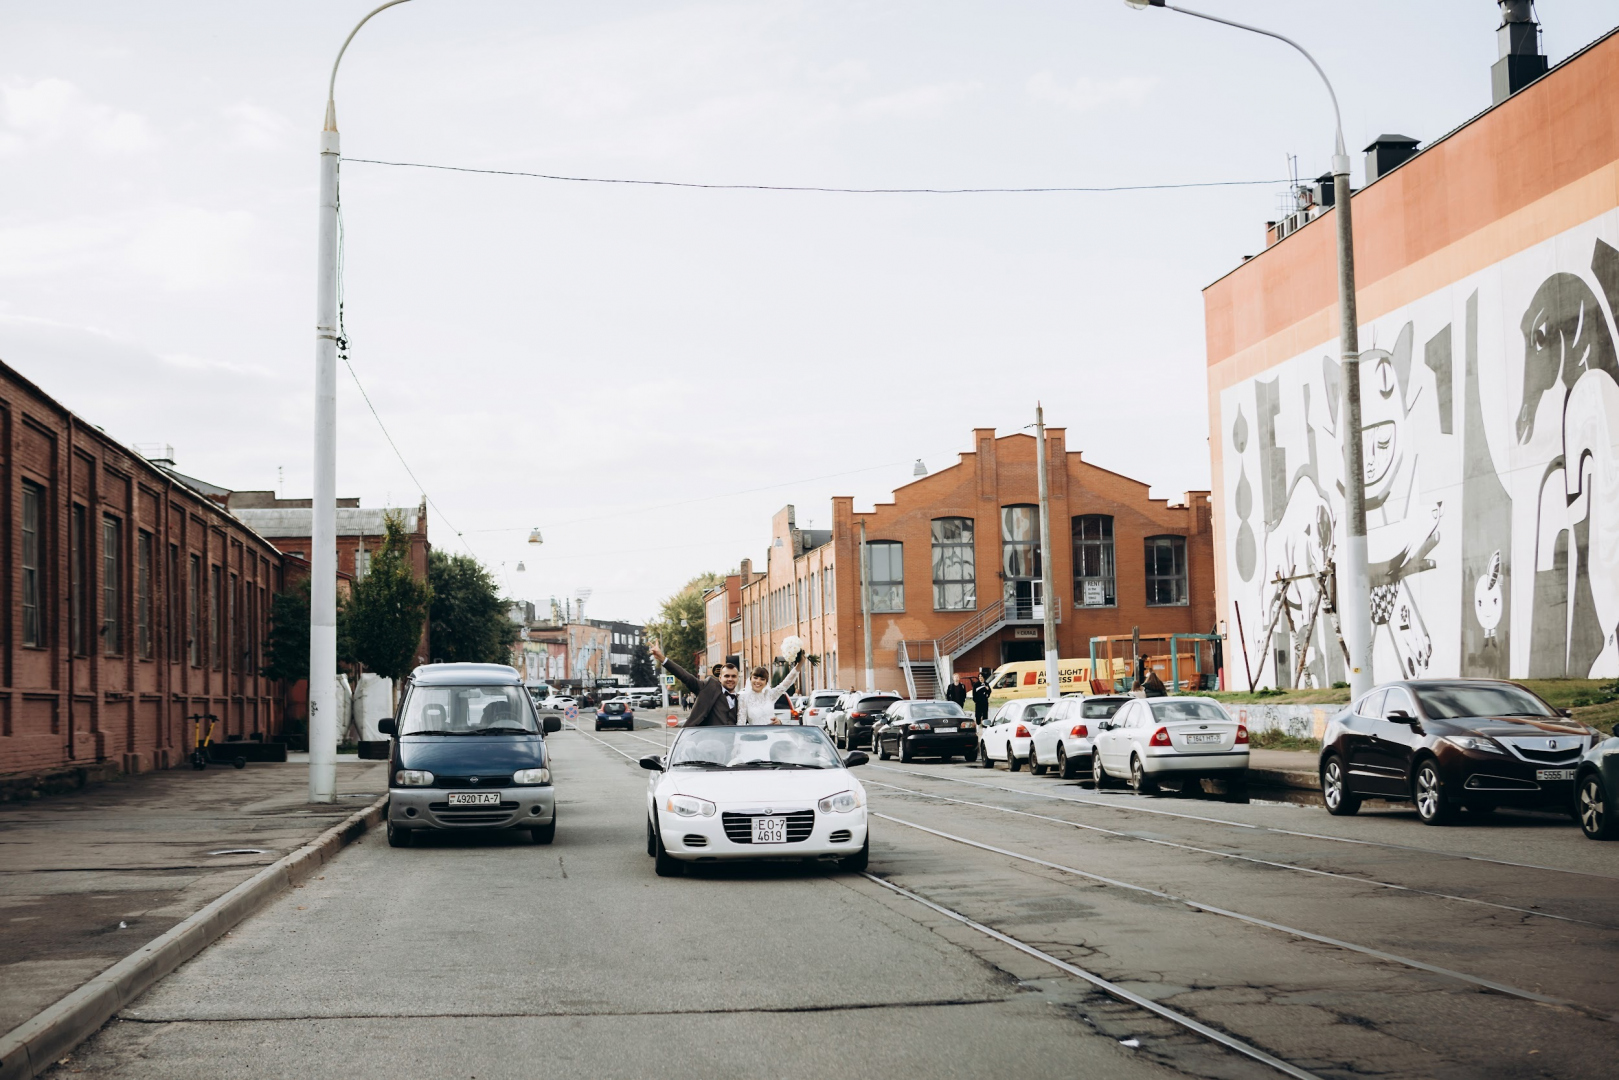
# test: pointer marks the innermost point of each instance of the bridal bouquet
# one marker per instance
(791, 649)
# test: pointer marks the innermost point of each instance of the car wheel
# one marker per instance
(1591, 803)
(857, 862)
(1099, 777)
(1335, 791)
(882, 752)
(1034, 763)
(904, 751)
(665, 864)
(1013, 762)
(1428, 791)
(651, 839)
(545, 833)
(983, 757)
(1140, 782)
(1063, 769)
(598, 725)
(398, 837)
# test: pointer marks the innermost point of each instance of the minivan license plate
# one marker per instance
(769, 830)
(1554, 774)
(474, 798)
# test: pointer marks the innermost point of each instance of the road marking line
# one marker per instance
(1254, 920)
(1249, 858)
(1111, 989)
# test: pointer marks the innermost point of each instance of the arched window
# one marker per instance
(954, 576)
(887, 575)
(1093, 561)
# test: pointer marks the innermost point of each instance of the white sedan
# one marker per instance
(557, 702)
(1009, 732)
(1064, 741)
(1172, 738)
(728, 793)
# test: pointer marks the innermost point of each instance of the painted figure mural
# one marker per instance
(1490, 428)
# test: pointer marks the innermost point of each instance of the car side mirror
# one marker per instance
(1569, 713)
(552, 723)
(652, 763)
(856, 757)
(1400, 716)
(387, 726)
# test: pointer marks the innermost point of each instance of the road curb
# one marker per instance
(36, 1044)
(1284, 778)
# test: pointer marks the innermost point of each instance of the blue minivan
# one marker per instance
(469, 753)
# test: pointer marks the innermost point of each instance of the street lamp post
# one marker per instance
(323, 725)
(1047, 589)
(1355, 594)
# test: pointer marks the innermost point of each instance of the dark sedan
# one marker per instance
(615, 713)
(925, 729)
(856, 716)
(1448, 743)
(1596, 791)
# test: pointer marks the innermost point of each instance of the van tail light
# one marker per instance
(1242, 734)
(1160, 737)
(1022, 732)
(1079, 731)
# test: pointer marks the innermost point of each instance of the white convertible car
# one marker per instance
(727, 793)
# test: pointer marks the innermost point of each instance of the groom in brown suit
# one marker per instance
(716, 698)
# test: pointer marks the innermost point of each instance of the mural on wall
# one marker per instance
(1490, 438)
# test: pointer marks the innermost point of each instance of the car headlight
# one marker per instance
(688, 806)
(531, 776)
(841, 803)
(1474, 742)
(413, 778)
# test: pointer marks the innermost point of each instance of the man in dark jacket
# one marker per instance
(716, 698)
(956, 693)
(981, 701)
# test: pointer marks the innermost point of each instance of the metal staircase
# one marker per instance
(928, 664)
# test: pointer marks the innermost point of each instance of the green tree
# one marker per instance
(386, 608)
(286, 646)
(681, 643)
(642, 673)
(468, 617)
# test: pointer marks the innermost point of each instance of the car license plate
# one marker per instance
(1554, 774)
(769, 830)
(474, 798)
(1212, 737)
(944, 731)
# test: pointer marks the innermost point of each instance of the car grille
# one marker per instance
(473, 815)
(842, 836)
(484, 780)
(739, 827)
(1563, 755)
(692, 839)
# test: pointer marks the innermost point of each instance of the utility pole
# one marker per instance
(1047, 590)
(1355, 592)
(865, 605)
(323, 723)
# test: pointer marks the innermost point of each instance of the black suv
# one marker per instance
(856, 715)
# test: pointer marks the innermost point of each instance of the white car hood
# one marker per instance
(779, 789)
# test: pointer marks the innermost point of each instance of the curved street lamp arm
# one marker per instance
(331, 85)
(1340, 157)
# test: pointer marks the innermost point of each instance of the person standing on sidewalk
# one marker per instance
(980, 701)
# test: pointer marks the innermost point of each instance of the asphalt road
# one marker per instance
(1341, 947)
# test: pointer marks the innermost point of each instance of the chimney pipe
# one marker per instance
(1521, 61)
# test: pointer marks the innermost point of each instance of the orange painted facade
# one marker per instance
(811, 585)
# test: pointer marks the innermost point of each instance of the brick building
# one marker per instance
(134, 600)
(1487, 270)
(722, 616)
(955, 570)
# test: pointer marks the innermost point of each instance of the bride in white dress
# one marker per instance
(757, 702)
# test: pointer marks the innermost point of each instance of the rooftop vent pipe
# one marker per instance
(1521, 60)
(1388, 152)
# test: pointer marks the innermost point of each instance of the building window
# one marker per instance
(112, 583)
(1020, 541)
(954, 574)
(362, 562)
(143, 594)
(172, 606)
(829, 586)
(1093, 561)
(887, 575)
(233, 625)
(33, 582)
(1166, 571)
(78, 572)
(194, 613)
(216, 615)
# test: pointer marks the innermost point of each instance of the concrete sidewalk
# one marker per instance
(1284, 768)
(89, 877)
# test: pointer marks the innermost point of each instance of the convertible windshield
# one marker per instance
(754, 748)
(1190, 709)
(1473, 699)
(467, 710)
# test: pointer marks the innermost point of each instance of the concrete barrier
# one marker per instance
(1299, 721)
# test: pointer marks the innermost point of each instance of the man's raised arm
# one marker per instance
(692, 682)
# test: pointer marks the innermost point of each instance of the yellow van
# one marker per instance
(1027, 678)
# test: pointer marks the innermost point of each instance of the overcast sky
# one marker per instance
(579, 357)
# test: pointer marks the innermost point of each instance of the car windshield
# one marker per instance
(1172, 710)
(1474, 699)
(873, 704)
(931, 710)
(753, 748)
(1101, 709)
(467, 710)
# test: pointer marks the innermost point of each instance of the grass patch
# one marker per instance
(1280, 740)
(1332, 695)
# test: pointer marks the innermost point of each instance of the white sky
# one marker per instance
(568, 355)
